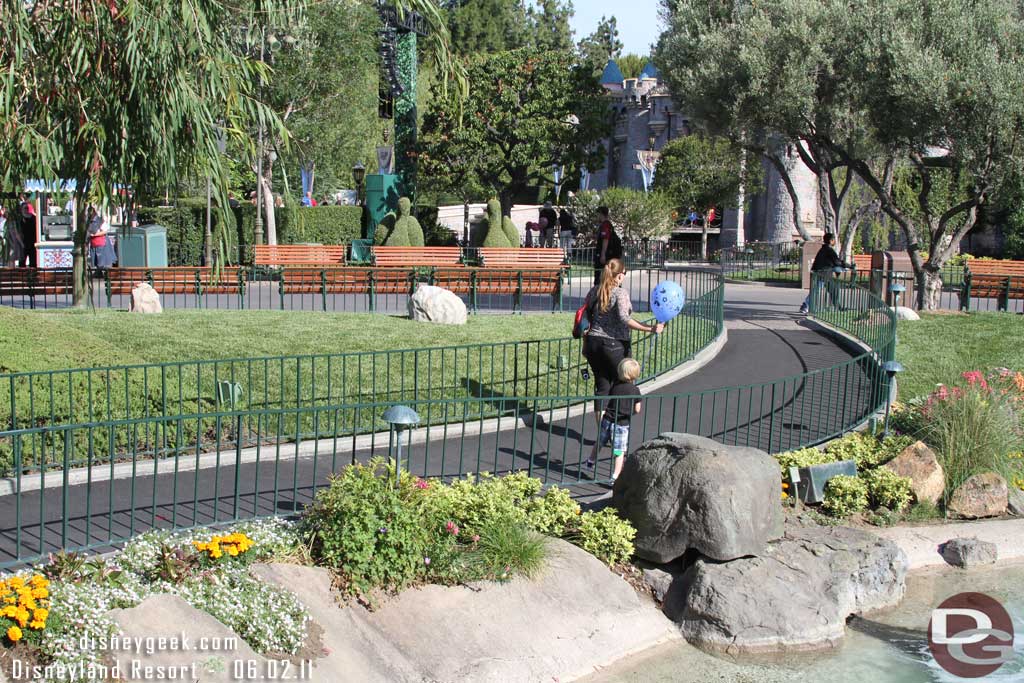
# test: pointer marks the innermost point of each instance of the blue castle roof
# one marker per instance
(612, 73)
(650, 71)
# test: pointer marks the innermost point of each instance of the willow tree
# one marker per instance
(108, 92)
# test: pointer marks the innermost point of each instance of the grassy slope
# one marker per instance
(941, 346)
(51, 340)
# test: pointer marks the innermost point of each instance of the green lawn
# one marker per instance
(33, 340)
(940, 346)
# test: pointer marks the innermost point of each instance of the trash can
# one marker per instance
(142, 247)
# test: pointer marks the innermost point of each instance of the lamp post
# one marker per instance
(257, 237)
(891, 368)
(399, 418)
(358, 175)
(896, 291)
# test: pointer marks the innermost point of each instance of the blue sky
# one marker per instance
(637, 21)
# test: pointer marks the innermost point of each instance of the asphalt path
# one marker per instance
(767, 341)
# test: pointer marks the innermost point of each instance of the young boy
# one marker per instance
(623, 403)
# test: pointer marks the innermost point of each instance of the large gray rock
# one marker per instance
(436, 305)
(169, 616)
(969, 552)
(797, 596)
(682, 491)
(577, 614)
(904, 313)
(920, 464)
(983, 495)
(1015, 501)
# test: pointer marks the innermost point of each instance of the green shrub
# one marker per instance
(407, 224)
(804, 457)
(972, 431)
(863, 449)
(606, 536)
(494, 235)
(553, 513)
(888, 489)
(845, 495)
(476, 503)
(921, 511)
(511, 232)
(372, 533)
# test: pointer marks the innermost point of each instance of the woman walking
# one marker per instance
(607, 342)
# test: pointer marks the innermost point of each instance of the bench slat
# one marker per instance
(299, 254)
(503, 257)
(416, 256)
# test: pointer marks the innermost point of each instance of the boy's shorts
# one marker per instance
(615, 434)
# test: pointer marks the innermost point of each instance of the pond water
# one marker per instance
(886, 647)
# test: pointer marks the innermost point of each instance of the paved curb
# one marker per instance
(313, 448)
(921, 543)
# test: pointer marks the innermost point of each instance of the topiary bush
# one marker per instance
(845, 495)
(511, 232)
(887, 489)
(606, 536)
(408, 225)
(494, 235)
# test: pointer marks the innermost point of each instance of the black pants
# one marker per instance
(28, 238)
(604, 355)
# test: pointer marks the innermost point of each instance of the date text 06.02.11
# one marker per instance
(271, 670)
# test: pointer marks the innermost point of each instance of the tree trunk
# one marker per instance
(79, 271)
(704, 241)
(465, 222)
(506, 198)
(929, 294)
(270, 228)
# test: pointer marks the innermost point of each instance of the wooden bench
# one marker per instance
(521, 259)
(478, 281)
(299, 254)
(415, 257)
(35, 282)
(862, 263)
(178, 280)
(346, 280)
(997, 279)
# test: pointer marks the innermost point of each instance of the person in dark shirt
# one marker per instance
(623, 403)
(825, 264)
(548, 234)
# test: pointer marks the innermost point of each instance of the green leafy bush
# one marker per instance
(373, 533)
(803, 457)
(475, 503)
(845, 495)
(553, 513)
(888, 489)
(606, 536)
(407, 224)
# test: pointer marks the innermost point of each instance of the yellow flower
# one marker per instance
(16, 582)
(40, 581)
(233, 551)
(40, 593)
(3, 587)
(10, 611)
(37, 625)
(11, 599)
(14, 633)
(40, 614)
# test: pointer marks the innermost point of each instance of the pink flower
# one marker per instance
(476, 538)
(426, 560)
(974, 377)
(422, 484)
(452, 528)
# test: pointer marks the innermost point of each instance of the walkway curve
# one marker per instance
(767, 341)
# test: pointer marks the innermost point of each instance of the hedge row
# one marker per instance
(186, 227)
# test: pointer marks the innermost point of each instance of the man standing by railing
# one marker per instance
(826, 264)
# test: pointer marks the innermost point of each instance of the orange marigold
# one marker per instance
(14, 634)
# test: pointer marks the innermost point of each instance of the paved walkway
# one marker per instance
(767, 341)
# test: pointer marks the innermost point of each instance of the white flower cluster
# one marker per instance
(268, 618)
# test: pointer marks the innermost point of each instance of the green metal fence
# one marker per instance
(73, 497)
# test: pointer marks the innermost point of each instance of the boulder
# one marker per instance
(659, 581)
(904, 313)
(682, 491)
(969, 552)
(436, 305)
(797, 596)
(183, 626)
(983, 495)
(1015, 502)
(920, 464)
(145, 299)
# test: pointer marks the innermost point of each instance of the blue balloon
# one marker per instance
(667, 301)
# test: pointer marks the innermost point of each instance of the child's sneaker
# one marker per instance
(803, 309)
(589, 463)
